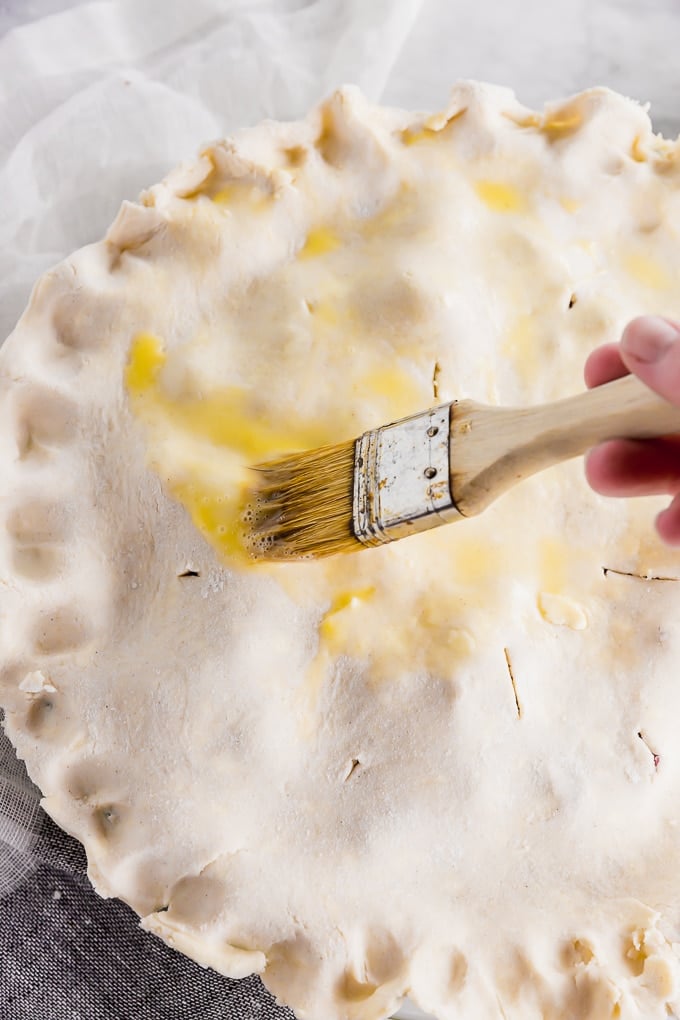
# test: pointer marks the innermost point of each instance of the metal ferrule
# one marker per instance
(402, 478)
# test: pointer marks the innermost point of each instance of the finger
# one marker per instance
(604, 365)
(635, 467)
(668, 523)
(650, 347)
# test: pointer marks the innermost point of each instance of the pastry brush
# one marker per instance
(441, 465)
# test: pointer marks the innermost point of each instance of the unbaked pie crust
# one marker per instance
(448, 768)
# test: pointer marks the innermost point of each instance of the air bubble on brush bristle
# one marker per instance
(259, 545)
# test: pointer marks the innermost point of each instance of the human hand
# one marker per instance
(650, 348)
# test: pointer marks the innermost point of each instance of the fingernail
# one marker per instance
(648, 338)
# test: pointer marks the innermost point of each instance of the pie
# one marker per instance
(448, 767)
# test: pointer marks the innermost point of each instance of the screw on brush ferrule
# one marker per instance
(402, 478)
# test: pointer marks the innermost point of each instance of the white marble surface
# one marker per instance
(547, 49)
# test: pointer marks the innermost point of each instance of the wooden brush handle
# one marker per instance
(492, 448)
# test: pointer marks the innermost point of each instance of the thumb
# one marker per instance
(650, 348)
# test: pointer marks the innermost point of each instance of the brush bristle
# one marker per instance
(302, 507)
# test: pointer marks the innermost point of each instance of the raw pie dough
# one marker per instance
(448, 768)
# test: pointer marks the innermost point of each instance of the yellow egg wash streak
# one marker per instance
(500, 197)
(216, 435)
